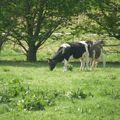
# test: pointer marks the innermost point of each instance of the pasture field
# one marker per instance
(29, 91)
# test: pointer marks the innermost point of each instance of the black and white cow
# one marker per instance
(96, 53)
(67, 50)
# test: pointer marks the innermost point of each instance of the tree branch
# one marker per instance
(18, 38)
(39, 19)
(29, 19)
(48, 34)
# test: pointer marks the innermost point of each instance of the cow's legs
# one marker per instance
(90, 63)
(93, 64)
(86, 60)
(96, 63)
(82, 64)
(65, 65)
(103, 58)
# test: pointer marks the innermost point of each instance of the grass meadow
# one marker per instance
(29, 91)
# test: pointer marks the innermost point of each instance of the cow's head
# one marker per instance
(90, 44)
(99, 42)
(52, 64)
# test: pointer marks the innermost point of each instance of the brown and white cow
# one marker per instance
(96, 53)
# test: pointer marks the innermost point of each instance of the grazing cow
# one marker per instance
(74, 49)
(95, 53)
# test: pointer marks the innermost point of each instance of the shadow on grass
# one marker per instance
(100, 64)
(45, 64)
(24, 63)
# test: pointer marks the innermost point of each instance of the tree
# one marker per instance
(107, 14)
(33, 21)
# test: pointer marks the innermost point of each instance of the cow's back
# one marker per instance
(77, 49)
(62, 53)
(74, 49)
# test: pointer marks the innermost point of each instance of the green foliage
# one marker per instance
(76, 94)
(106, 14)
(112, 92)
(19, 97)
(14, 93)
(79, 94)
(11, 89)
(31, 101)
(38, 100)
(34, 21)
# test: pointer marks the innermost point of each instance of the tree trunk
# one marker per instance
(31, 54)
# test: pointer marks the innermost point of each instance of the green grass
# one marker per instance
(100, 87)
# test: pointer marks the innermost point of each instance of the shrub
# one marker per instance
(111, 92)
(14, 93)
(32, 100)
(17, 96)
(78, 94)
(10, 90)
